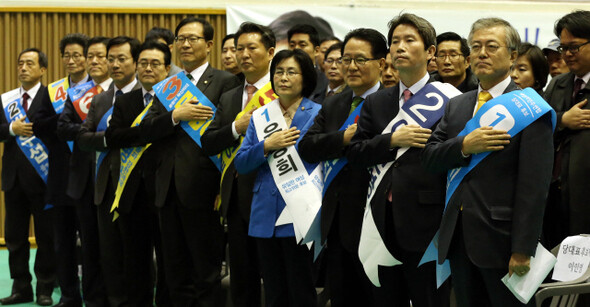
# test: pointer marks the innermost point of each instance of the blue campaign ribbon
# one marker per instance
(333, 167)
(32, 147)
(512, 112)
(102, 126)
(178, 89)
(76, 93)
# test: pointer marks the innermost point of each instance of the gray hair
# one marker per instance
(512, 37)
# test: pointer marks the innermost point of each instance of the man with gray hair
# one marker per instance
(494, 213)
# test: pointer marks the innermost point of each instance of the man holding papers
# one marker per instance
(408, 201)
(187, 181)
(255, 46)
(494, 209)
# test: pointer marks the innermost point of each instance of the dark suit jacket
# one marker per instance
(91, 140)
(14, 162)
(418, 195)
(348, 191)
(120, 134)
(217, 138)
(82, 163)
(575, 150)
(195, 177)
(319, 93)
(503, 197)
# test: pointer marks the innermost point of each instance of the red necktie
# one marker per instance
(250, 89)
(26, 102)
(407, 95)
(577, 87)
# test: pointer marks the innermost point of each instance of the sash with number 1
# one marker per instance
(32, 147)
(425, 108)
(512, 112)
(177, 90)
(129, 158)
(302, 192)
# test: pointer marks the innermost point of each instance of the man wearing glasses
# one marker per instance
(568, 94)
(452, 60)
(187, 181)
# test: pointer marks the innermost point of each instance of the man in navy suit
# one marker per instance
(493, 220)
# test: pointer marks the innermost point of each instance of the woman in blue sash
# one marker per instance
(286, 265)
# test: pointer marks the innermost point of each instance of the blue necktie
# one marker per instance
(147, 98)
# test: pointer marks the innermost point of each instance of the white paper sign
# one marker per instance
(573, 258)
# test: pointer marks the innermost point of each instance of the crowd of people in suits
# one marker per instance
(158, 236)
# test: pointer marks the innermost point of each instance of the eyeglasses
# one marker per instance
(331, 61)
(359, 61)
(153, 64)
(119, 60)
(288, 73)
(489, 48)
(193, 39)
(75, 56)
(452, 56)
(573, 49)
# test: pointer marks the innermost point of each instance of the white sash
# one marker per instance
(302, 192)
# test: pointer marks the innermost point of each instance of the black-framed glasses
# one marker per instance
(452, 56)
(573, 49)
(330, 61)
(359, 61)
(193, 39)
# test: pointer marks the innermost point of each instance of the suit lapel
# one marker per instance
(303, 113)
(37, 102)
(205, 79)
(566, 89)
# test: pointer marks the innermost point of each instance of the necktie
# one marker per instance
(147, 98)
(190, 77)
(250, 89)
(355, 103)
(118, 93)
(99, 89)
(26, 102)
(482, 98)
(330, 93)
(407, 94)
(577, 87)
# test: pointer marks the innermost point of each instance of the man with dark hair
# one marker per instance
(363, 55)
(502, 197)
(23, 181)
(331, 61)
(80, 179)
(187, 181)
(557, 65)
(72, 48)
(408, 202)
(390, 74)
(165, 36)
(452, 61)
(228, 56)
(568, 94)
(255, 46)
(125, 277)
(324, 45)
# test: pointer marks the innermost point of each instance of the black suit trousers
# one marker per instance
(19, 207)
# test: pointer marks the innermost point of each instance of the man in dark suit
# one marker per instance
(187, 181)
(452, 60)
(65, 226)
(126, 280)
(306, 38)
(223, 133)
(493, 220)
(409, 201)
(25, 189)
(344, 201)
(568, 94)
(80, 179)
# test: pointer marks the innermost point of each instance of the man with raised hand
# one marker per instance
(24, 175)
(408, 201)
(120, 271)
(498, 181)
(187, 181)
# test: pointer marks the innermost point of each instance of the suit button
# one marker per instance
(395, 164)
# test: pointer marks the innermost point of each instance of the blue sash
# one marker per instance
(76, 93)
(333, 167)
(102, 126)
(512, 112)
(178, 89)
(32, 147)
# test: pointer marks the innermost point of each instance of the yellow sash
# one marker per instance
(58, 90)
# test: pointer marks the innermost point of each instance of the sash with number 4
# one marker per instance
(511, 112)
(302, 192)
(177, 90)
(425, 108)
(32, 147)
(58, 94)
